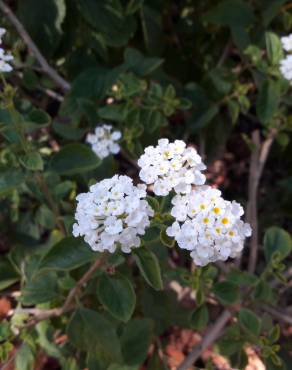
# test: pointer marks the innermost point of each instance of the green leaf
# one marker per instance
(117, 294)
(270, 9)
(139, 64)
(283, 139)
(89, 331)
(241, 277)
(153, 202)
(200, 318)
(68, 254)
(109, 20)
(8, 275)
(149, 267)
(73, 159)
(227, 292)
(32, 161)
(274, 48)
(121, 367)
(45, 217)
(234, 110)
(10, 179)
(249, 321)
(113, 112)
(263, 292)
(133, 6)
(43, 22)
(232, 13)
(38, 118)
(274, 333)
(277, 240)
(24, 359)
(68, 131)
(268, 100)
(166, 240)
(206, 117)
(237, 15)
(40, 289)
(135, 341)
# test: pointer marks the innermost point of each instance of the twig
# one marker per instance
(279, 315)
(212, 334)
(40, 315)
(258, 160)
(251, 214)
(60, 81)
(51, 93)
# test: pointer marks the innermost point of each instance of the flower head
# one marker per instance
(104, 141)
(4, 58)
(113, 213)
(286, 67)
(207, 225)
(171, 166)
(287, 42)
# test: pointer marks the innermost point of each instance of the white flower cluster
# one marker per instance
(207, 225)
(171, 166)
(286, 64)
(113, 213)
(4, 58)
(104, 142)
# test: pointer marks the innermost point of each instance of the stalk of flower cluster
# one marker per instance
(114, 213)
(4, 57)
(104, 141)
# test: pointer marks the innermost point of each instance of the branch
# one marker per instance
(211, 336)
(278, 314)
(40, 315)
(258, 160)
(252, 207)
(60, 81)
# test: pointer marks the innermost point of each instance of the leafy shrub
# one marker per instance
(205, 72)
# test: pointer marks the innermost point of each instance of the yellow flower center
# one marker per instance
(231, 233)
(225, 221)
(206, 220)
(216, 210)
(218, 230)
(166, 154)
(202, 206)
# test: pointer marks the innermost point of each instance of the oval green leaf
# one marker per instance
(149, 267)
(277, 240)
(67, 254)
(117, 294)
(73, 159)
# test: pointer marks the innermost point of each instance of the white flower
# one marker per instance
(286, 67)
(4, 58)
(112, 214)
(286, 63)
(104, 142)
(287, 42)
(171, 166)
(207, 225)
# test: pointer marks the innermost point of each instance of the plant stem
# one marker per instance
(60, 81)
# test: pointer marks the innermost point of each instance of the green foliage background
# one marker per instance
(204, 71)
